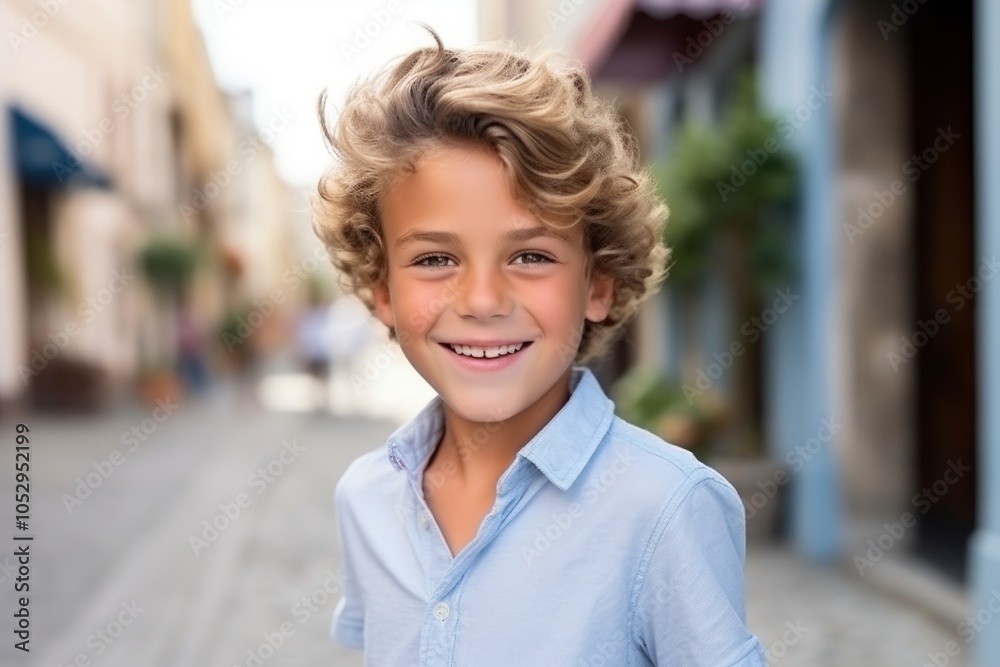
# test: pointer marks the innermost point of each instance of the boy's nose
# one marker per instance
(484, 293)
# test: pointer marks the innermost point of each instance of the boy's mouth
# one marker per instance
(486, 352)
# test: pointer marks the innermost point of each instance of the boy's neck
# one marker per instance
(474, 455)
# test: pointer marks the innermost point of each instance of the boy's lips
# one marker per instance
(487, 363)
(497, 342)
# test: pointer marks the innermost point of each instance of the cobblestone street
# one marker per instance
(135, 574)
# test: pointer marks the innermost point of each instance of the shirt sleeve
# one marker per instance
(348, 617)
(690, 610)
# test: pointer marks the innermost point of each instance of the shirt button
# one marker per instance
(441, 611)
(425, 523)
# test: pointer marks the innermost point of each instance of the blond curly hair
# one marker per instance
(566, 153)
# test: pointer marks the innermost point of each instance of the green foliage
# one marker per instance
(645, 398)
(169, 264)
(714, 186)
(43, 267)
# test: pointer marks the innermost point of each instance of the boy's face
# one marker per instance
(479, 286)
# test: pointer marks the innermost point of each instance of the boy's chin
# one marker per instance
(481, 411)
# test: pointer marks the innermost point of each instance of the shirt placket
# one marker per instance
(446, 575)
(439, 616)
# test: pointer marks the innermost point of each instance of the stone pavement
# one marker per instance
(121, 578)
(809, 616)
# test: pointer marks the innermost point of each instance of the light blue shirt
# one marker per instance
(605, 546)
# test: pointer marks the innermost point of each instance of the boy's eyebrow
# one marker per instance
(516, 235)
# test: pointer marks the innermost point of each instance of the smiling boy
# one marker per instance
(493, 214)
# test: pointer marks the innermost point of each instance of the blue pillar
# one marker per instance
(985, 548)
(799, 373)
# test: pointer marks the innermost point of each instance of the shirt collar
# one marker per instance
(560, 450)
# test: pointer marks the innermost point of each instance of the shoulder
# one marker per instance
(365, 478)
(667, 476)
(664, 460)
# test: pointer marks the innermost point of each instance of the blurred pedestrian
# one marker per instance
(351, 329)
(315, 347)
(191, 349)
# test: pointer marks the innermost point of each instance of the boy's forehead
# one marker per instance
(463, 184)
(525, 231)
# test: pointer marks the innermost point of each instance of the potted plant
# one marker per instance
(728, 187)
(168, 265)
(646, 398)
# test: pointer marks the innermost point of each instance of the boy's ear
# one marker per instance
(383, 304)
(602, 294)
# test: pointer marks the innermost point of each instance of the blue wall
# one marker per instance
(985, 553)
(795, 54)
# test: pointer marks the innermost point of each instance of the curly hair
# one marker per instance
(566, 153)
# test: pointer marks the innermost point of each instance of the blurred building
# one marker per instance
(118, 133)
(892, 110)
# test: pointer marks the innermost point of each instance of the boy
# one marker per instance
(492, 213)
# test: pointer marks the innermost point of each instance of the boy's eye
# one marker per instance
(440, 261)
(539, 257)
(420, 261)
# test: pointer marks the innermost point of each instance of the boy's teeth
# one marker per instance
(488, 352)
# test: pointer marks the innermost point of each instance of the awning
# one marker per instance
(635, 40)
(42, 160)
